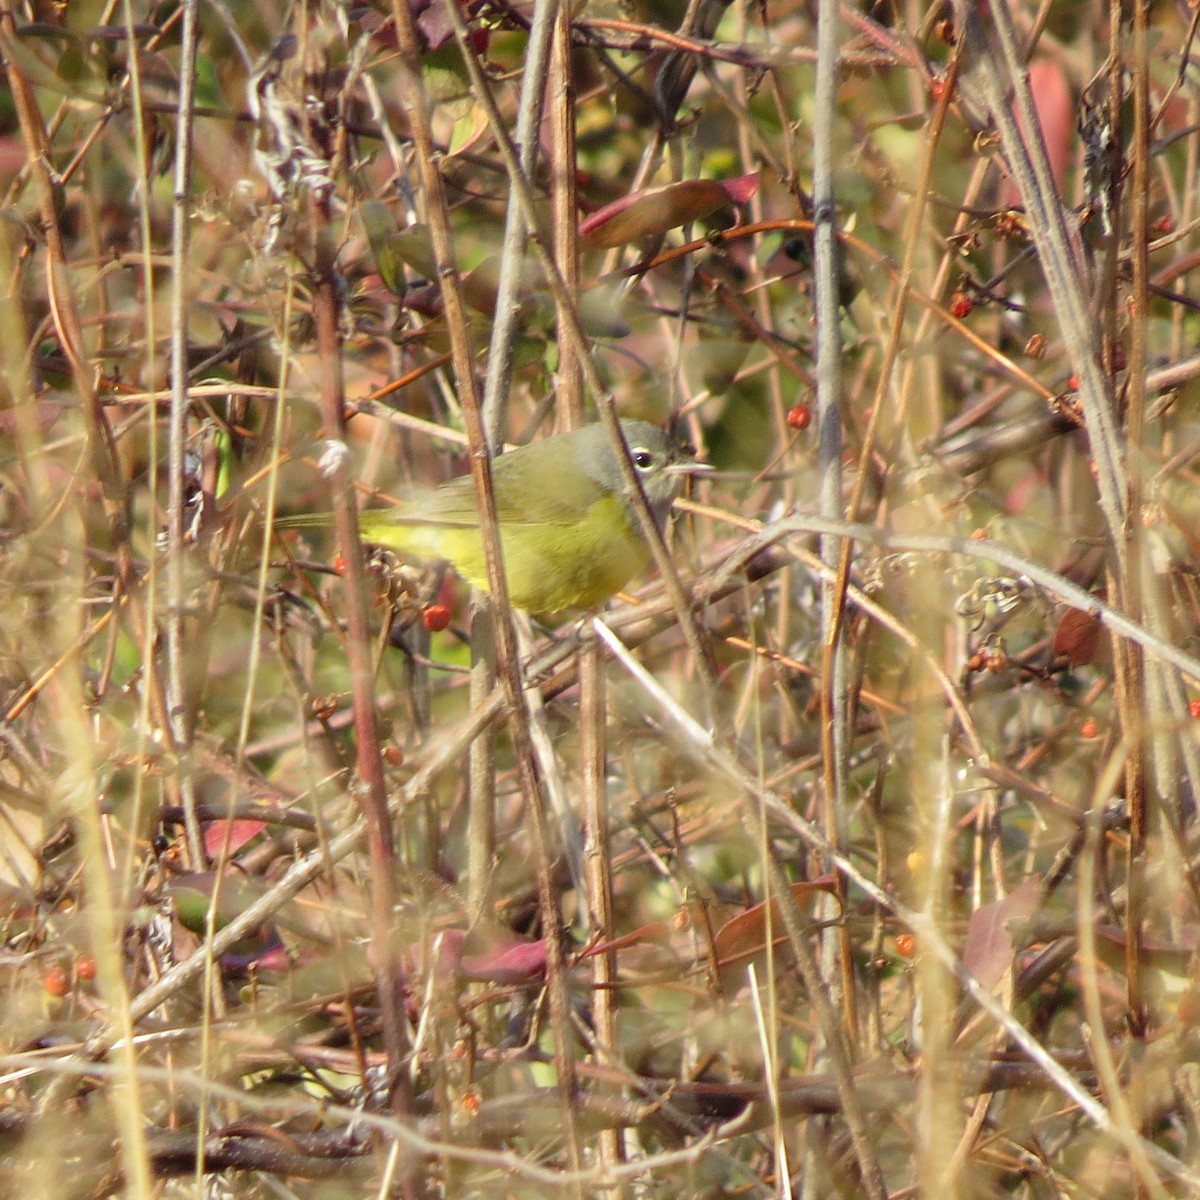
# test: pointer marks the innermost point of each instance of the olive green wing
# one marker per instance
(538, 484)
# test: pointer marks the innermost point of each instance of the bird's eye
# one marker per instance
(642, 459)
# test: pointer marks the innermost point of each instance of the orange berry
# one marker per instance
(85, 968)
(906, 944)
(1090, 728)
(56, 982)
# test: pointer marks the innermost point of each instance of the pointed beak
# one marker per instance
(687, 468)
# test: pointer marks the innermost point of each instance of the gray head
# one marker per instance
(660, 462)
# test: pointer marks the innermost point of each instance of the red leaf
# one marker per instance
(657, 933)
(1077, 636)
(989, 948)
(514, 964)
(655, 210)
(744, 938)
(741, 190)
(240, 833)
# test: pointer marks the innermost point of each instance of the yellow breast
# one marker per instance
(551, 566)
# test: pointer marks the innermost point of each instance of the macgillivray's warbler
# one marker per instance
(568, 528)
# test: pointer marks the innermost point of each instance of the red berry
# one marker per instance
(906, 944)
(799, 416)
(339, 564)
(85, 968)
(436, 617)
(1194, 709)
(1090, 728)
(961, 305)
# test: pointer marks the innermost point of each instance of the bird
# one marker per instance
(568, 527)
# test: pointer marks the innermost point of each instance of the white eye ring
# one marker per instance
(642, 459)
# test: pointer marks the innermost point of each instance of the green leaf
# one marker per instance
(386, 242)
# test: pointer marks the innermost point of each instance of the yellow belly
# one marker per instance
(550, 567)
